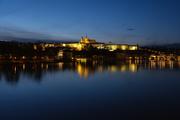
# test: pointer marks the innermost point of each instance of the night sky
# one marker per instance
(118, 21)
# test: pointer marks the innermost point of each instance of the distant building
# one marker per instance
(85, 41)
(76, 46)
(113, 47)
(133, 47)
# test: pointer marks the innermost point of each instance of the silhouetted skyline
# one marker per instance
(118, 21)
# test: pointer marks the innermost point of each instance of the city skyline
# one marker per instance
(132, 22)
(89, 59)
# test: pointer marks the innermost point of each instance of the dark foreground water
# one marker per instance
(130, 90)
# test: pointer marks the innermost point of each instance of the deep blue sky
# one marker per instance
(118, 21)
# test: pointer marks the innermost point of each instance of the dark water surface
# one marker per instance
(128, 90)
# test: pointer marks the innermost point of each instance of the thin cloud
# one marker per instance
(9, 33)
(131, 29)
(18, 32)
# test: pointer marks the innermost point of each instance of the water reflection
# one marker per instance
(163, 65)
(11, 73)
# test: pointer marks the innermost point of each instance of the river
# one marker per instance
(95, 90)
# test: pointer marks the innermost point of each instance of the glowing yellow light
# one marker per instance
(35, 47)
(24, 66)
(162, 64)
(113, 68)
(123, 47)
(82, 60)
(133, 48)
(76, 46)
(60, 54)
(82, 71)
(15, 69)
(114, 47)
(23, 57)
(123, 68)
(133, 67)
(171, 64)
(60, 65)
(64, 45)
(152, 65)
(42, 65)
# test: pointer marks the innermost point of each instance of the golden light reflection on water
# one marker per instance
(112, 68)
(133, 67)
(163, 65)
(123, 68)
(24, 66)
(171, 64)
(82, 71)
(85, 69)
(60, 65)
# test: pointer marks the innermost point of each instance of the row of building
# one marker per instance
(85, 41)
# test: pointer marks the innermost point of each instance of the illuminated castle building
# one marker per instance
(85, 41)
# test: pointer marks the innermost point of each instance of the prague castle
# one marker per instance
(85, 41)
